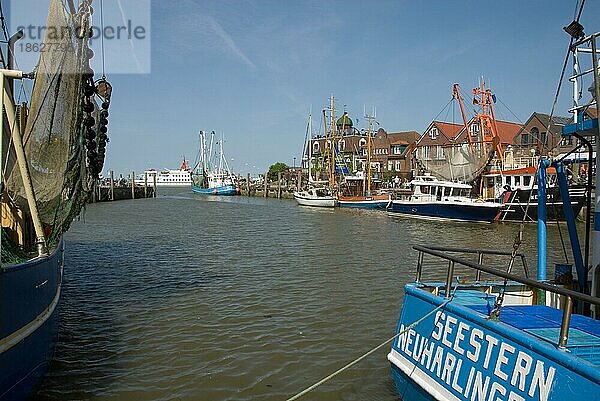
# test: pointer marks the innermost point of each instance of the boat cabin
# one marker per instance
(495, 183)
(429, 189)
(356, 185)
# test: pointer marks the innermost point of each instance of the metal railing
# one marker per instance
(569, 295)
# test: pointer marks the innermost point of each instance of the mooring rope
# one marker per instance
(360, 358)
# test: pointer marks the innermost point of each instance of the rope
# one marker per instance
(102, 37)
(562, 74)
(360, 358)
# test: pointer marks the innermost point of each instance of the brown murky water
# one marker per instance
(184, 297)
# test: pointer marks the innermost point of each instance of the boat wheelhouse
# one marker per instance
(517, 190)
(354, 192)
(431, 198)
(316, 197)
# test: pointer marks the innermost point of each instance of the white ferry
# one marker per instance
(181, 177)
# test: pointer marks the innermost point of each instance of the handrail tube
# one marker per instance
(588, 200)
(473, 250)
(524, 263)
(480, 261)
(541, 212)
(449, 278)
(419, 267)
(509, 276)
(573, 236)
(566, 321)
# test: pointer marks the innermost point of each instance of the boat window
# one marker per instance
(447, 191)
(424, 189)
(509, 181)
(517, 181)
(439, 192)
(527, 180)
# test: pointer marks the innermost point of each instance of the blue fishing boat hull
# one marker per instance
(29, 297)
(226, 190)
(459, 354)
(475, 212)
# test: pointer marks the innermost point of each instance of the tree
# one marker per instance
(277, 168)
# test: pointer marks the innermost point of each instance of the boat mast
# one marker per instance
(487, 119)
(9, 107)
(369, 145)
(210, 151)
(332, 141)
(456, 94)
(221, 155)
(309, 146)
(203, 151)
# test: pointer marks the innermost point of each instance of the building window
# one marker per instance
(342, 145)
(544, 138)
(474, 129)
(433, 133)
(328, 144)
(397, 165)
(439, 152)
(534, 134)
(316, 147)
(399, 149)
(362, 142)
(525, 138)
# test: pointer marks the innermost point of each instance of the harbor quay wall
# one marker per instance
(108, 194)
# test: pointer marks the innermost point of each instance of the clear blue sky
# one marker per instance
(252, 70)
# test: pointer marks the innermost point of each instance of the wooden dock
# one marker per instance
(109, 189)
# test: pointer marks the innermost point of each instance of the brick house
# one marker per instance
(392, 152)
(437, 136)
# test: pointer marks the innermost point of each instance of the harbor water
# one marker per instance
(188, 297)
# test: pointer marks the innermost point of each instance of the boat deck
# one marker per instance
(541, 321)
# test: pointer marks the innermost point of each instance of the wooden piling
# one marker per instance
(266, 194)
(112, 185)
(279, 185)
(145, 185)
(154, 175)
(299, 181)
(248, 183)
(132, 185)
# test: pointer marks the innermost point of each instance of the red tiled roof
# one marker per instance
(507, 131)
(451, 130)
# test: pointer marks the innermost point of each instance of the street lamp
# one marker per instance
(294, 163)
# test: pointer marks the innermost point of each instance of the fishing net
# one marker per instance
(457, 162)
(53, 137)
